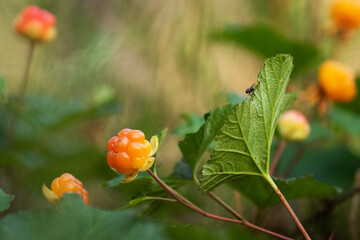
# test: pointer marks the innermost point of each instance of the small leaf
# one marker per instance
(267, 42)
(143, 197)
(5, 200)
(195, 144)
(192, 124)
(243, 143)
(261, 193)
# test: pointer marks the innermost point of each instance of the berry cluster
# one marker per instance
(36, 24)
(337, 81)
(128, 151)
(346, 14)
(66, 183)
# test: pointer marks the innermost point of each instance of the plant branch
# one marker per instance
(278, 154)
(354, 209)
(225, 205)
(299, 153)
(288, 207)
(209, 215)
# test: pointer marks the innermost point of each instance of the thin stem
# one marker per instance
(278, 154)
(22, 90)
(297, 156)
(288, 207)
(21, 94)
(224, 205)
(354, 209)
(209, 215)
(163, 199)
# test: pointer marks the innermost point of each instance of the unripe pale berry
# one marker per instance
(337, 81)
(36, 24)
(346, 14)
(293, 126)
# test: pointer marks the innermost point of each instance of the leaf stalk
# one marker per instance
(288, 207)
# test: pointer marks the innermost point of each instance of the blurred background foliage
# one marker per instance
(159, 64)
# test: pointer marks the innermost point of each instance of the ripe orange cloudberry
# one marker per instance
(293, 126)
(346, 14)
(129, 152)
(66, 183)
(36, 24)
(337, 81)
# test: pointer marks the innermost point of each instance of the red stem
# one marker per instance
(288, 207)
(209, 215)
(278, 154)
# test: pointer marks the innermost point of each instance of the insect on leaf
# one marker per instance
(243, 143)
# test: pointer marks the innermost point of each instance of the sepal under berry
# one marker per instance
(50, 195)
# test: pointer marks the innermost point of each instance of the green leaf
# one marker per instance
(192, 124)
(74, 220)
(260, 192)
(5, 200)
(331, 164)
(116, 181)
(195, 144)
(243, 143)
(346, 121)
(267, 42)
(143, 197)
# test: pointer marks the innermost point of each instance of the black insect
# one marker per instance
(250, 90)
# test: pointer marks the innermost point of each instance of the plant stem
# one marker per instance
(278, 154)
(288, 207)
(224, 205)
(209, 215)
(354, 209)
(21, 94)
(297, 156)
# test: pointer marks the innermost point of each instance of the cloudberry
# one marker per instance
(36, 24)
(337, 81)
(66, 183)
(346, 14)
(129, 152)
(293, 126)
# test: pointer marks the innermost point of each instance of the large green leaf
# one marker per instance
(261, 193)
(331, 164)
(266, 42)
(5, 200)
(195, 144)
(243, 143)
(74, 220)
